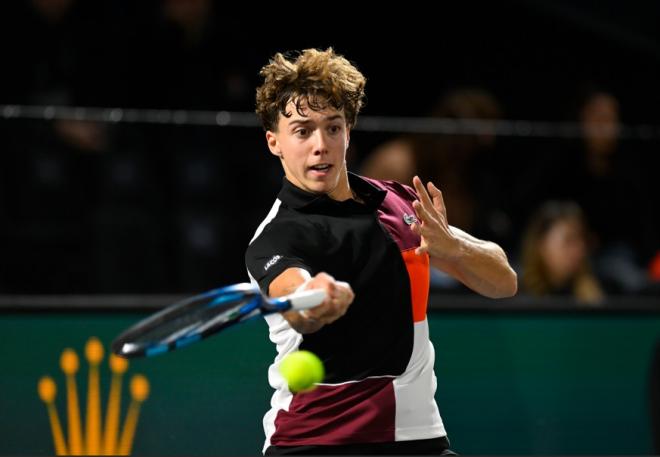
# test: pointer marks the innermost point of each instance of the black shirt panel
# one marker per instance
(285, 242)
(347, 241)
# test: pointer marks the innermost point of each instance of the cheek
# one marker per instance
(548, 253)
(293, 150)
(577, 251)
(554, 252)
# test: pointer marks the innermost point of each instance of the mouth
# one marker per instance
(320, 169)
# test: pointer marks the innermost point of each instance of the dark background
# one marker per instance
(163, 208)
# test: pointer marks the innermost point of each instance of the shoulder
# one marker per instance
(288, 239)
(286, 227)
(394, 188)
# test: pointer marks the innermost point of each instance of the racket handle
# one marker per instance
(306, 298)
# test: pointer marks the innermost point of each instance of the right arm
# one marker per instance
(339, 297)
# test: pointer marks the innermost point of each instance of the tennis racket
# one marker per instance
(195, 318)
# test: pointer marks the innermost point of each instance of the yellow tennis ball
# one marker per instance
(302, 370)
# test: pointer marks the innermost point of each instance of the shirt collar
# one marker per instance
(300, 199)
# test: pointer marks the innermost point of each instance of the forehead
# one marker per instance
(305, 113)
(566, 225)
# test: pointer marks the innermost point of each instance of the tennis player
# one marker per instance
(369, 244)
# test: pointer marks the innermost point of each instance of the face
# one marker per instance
(564, 249)
(312, 147)
(600, 121)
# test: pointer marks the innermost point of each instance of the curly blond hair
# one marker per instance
(317, 78)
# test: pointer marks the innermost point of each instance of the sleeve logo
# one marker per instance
(273, 260)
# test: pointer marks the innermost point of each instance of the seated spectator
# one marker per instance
(555, 255)
(610, 181)
(607, 178)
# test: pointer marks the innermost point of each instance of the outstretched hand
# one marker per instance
(432, 226)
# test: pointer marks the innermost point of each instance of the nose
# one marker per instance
(320, 143)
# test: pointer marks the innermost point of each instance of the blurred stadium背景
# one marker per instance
(95, 206)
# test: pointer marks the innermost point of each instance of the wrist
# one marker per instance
(455, 250)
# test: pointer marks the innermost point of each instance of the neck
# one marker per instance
(343, 190)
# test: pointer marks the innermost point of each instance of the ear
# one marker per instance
(348, 136)
(273, 143)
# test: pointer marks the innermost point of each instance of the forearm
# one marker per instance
(480, 265)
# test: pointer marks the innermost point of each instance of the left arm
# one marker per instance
(480, 265)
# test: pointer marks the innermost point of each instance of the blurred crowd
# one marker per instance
(579, 217)
(94, 207)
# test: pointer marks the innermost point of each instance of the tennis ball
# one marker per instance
(301, 370)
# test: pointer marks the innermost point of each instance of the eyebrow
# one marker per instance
(307, 121)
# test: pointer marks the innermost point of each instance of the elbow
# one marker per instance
(508, 286)
(511, 288)
(509, 283)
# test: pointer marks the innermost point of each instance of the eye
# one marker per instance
(335, 128)
(302, 132)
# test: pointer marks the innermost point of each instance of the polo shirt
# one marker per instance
(379, 384)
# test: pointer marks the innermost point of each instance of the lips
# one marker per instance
(320, 170)
(320, 167)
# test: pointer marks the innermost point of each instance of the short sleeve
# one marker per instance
(281, 246)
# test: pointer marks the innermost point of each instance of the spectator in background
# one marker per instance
(607, 183)
(605, 177)
(555, 254)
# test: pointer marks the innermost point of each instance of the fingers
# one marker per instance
(432, 227)
(436, 195)
(422, 213)
(340, 295)
(416, 228)
(322, 281)
(429, 210)
(422, 193)
(345, 291)
(341, 300)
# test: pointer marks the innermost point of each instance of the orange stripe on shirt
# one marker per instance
(420, 277)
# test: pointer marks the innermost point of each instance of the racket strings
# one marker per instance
(194, 318)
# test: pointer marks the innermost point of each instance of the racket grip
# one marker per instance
(307, 298)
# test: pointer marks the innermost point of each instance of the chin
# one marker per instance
(325, 185)
(319, 187)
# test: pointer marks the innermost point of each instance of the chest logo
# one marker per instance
(409, 218)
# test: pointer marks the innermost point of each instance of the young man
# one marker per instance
(369, 244)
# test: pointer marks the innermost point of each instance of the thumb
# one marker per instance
(421, 250)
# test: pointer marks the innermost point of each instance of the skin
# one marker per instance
(480, 265)
(311, 138)
(301, 142)
(314, 138)
(564, 250)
